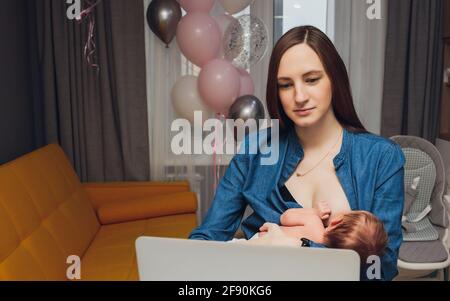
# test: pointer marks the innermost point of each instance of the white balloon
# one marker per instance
(234, 6)
(186, 99)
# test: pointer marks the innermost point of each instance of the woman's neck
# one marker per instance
(321, 134)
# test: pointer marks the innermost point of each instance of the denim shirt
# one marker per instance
(369, 168)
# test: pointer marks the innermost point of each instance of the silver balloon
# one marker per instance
(163, 17)
(245, 41)
(246, 108)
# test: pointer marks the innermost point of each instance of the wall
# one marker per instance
(16, 114)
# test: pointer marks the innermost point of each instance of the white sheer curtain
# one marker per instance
(164, 67)
(362, 43)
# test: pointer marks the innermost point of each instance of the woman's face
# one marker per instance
(304, 87)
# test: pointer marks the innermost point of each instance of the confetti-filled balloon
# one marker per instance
(245, 41)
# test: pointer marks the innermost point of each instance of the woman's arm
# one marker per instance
(228, 206)
(388, 204)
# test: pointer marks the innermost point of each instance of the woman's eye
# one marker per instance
(284, 86)
(313, 80)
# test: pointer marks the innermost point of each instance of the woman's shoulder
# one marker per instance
(371, 140)
(374, 145)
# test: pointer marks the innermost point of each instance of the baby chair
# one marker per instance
(425, 217)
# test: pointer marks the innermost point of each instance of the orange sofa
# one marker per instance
(47, 215)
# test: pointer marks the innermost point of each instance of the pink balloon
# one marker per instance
(218, 85)
(247, 85)
(198, 37)
(203, 6)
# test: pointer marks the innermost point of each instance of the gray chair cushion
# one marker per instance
(420, 231)
(419, 165)
(424, 251)
(438, 214)
(410, 198)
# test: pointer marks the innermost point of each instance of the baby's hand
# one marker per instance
(324, 210)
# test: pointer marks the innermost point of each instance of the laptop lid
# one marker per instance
(167, 259)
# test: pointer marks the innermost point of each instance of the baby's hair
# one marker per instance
(360, 231)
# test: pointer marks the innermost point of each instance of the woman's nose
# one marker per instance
(300, 94)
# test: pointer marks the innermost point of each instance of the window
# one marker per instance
(292, 13)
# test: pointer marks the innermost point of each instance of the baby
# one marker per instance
(360, 231)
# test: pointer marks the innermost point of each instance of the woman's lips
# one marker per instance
(304, 112)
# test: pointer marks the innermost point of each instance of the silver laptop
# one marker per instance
(166, 259)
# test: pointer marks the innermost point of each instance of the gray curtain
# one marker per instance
(98, 117)
(413, 69)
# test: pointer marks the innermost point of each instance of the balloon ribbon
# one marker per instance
(90, 47)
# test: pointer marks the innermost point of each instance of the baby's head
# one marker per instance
(360, 231)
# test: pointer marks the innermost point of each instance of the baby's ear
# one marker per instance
(335, 221)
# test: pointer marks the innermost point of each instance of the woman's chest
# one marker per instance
(322, 184)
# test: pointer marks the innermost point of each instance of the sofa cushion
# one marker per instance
(147, 207)
(112, 254)
(45, 216)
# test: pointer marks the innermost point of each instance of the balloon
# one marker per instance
(198, 37)
(218, 84)
(203, 6)
(223, 21)
(163, 17)
(186, 99)
(235, 6)
(247, 85)
(245, 41)
(246, 107)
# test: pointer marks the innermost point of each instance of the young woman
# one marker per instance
(325, 153)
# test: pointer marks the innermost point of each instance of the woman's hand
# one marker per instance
(272, 235)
